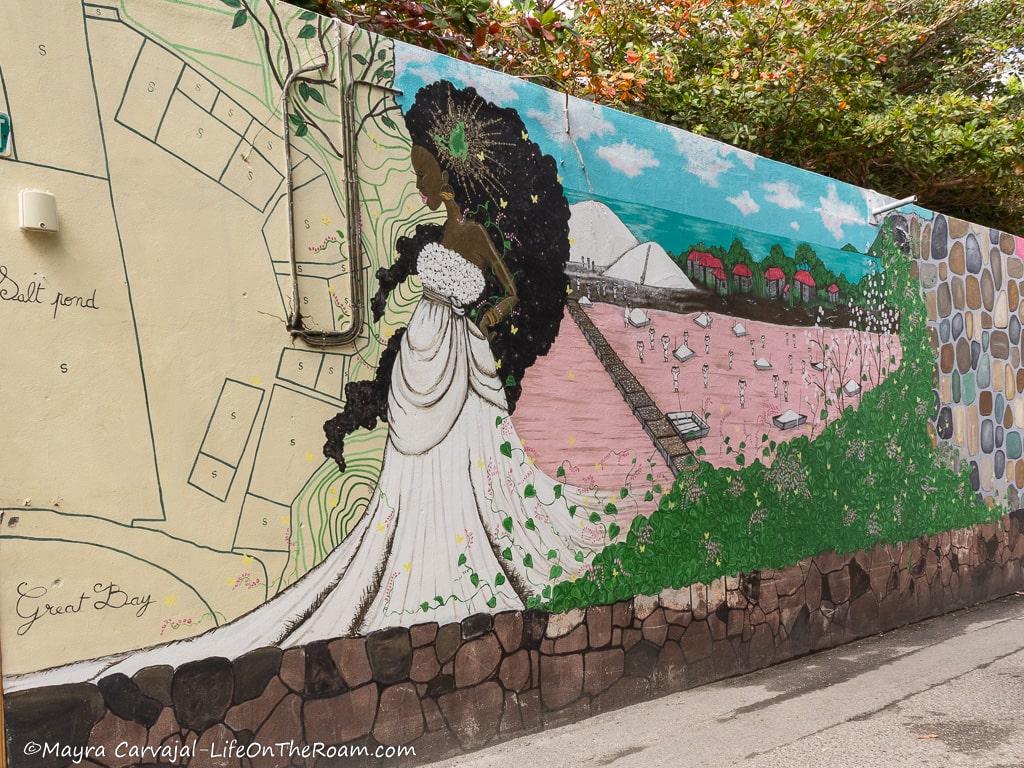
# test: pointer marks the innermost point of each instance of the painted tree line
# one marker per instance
(803, 277)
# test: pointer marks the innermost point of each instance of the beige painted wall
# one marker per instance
(160, 437)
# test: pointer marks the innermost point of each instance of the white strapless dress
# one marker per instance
(461, 522)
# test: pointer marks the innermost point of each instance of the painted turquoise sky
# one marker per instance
(614, 156)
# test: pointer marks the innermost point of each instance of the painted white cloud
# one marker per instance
(429, 67)
(586, 120)
(406, 54)
(704, 157)
(628, 158)
(836, 213)
(749, 159)
(745, 203)
(782, 194)
(795, 226)
(492, 85)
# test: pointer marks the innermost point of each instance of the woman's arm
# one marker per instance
(504, 307)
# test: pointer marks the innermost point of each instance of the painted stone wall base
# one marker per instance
(457, 687)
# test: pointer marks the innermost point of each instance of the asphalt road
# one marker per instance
(947, 692)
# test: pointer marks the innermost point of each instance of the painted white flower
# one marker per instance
(446, 273)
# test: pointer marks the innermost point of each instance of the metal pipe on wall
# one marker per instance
(352, 205)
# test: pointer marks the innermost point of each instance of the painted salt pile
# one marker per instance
(683, 353)
(638, 318)
(789, 420)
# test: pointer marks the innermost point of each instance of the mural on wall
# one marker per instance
(592, 357)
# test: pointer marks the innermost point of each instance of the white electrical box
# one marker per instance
(37, 211)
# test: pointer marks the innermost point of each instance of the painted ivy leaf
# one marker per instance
(552, 554)
(657, 488)
(498, 420)
(314, 94)
(528, 560)
(580, 557)
(532, 601)
(232, 3)
(506, 449)
(424, 606)
(650, 477)
(307, 15)
(530, 525)
(507, 553)
(507, 524)
(572, 511)
(241, 17)
(510, 380)
(740, 459)
(492, 601)
(359, 57)
(623, 493)
(474, 579)
(700, 450)
(381, 55)
(307, 32)
(302, 130)
(594, 517)
(296, 120)
(613, 531)
(462, 559)
(388, 122)
(439, 599)
(555, 572)
(558, 491)
(610, 509)
(499, 579)
(546, 592)
(560, 472)
(529, 491)
(649, 496)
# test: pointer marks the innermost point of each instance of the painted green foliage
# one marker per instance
(872, 476)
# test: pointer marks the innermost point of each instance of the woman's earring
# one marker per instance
(447, 193)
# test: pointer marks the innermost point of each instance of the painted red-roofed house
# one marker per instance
(711, 264)
(721, 281)
(774, 282)
(742, 277)
(694, 268)
(833, 293)
(805, 285)
(702, 265)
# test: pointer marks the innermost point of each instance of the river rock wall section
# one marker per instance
(973, 283)
(457, 687)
